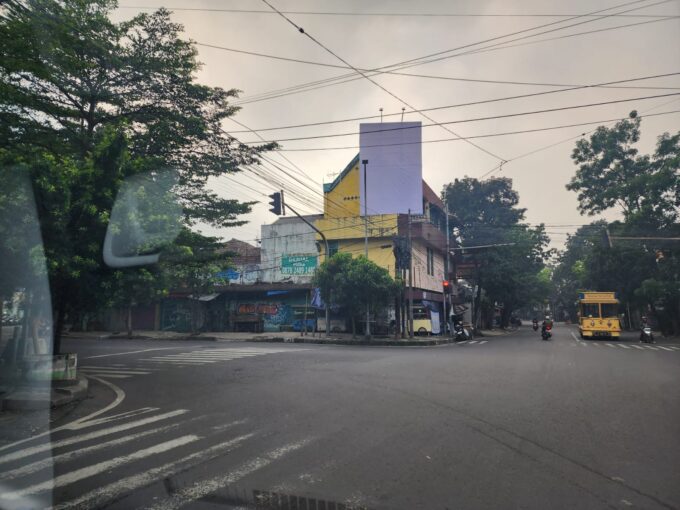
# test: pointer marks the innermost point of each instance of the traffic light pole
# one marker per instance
(327, 255)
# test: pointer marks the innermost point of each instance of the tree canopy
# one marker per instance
(85, 103)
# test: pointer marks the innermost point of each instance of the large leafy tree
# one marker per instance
(507, 269)
(643, 262)
(354, 283)
(85, 103)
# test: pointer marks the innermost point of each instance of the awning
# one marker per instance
(597, 301)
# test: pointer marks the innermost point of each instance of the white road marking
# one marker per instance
(574, 336)
(98, 497)
(650, 347)
(36, 466)
(86, 437)
(674, 347)
(102, 370)
(114, 417)
(473, 341)
(638, 347)
(88, 471)
(133, 352)
(610, 345)
(623, 346)
(596, 344)
(110, 376)
(483, 342)
(204, 487)
(664, 348)
(120, 396)
(463, 342)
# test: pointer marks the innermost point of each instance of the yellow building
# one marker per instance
(344, 227)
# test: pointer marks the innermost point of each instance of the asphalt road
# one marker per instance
(513, 422)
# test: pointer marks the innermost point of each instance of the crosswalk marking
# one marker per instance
(651, 348)
(202, 488)
(97, 497)
(36, 466)
(483, 342)
(664, 348)
(473, 342)
(88, 471)
(623, 346)
(674, 348)
(105, 370)
(609, 345)
(19, 454)
(638, 347)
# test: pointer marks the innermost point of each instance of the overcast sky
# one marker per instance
(372, 41)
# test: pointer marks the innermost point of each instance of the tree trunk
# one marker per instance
(59, 319)
(354, 327)
(129, 321)
(397, 318)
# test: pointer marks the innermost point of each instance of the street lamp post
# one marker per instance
(368, 310)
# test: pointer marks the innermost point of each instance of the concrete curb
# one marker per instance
(342, 341)
(31, 398)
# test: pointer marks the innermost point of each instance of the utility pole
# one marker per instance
(410, 279)
(327, 255)
(446, 270)
(368, 309)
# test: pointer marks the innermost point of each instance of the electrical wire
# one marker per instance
(458, 105)
(487, 135)
(473, 119)
(316, 41)
(415, 62)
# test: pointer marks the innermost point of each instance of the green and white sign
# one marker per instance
(298, 264)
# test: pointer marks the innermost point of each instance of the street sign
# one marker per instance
(298, 264)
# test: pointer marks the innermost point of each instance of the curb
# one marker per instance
(29, 398)
(339, 341)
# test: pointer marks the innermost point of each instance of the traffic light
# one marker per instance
(276, 203)
(446, 284)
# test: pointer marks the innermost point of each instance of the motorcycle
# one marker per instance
(545, 332)
(646, 336)
(460, 333)
(535, 325)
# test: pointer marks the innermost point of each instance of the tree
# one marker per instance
(193, 262)
(646, 190)
(85, 103)
(354, 283)
(486, 214)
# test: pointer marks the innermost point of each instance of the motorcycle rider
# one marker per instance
(547, 321)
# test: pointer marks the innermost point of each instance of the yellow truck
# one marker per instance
(598, 315)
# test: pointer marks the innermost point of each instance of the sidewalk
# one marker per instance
(278, 337)
(31, 396)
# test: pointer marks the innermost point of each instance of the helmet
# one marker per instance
(547, 317)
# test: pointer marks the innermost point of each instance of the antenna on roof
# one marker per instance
(403, 109)
(381, 110)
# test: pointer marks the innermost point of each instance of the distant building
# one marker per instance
(289, 250)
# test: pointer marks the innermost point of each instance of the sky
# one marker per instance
(368, 35)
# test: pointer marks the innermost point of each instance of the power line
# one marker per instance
(381, 14)
(540, 149)
(316, 41)
(413, 75)
(475, 119)
(487, 135)
(458, 105)
(415, 62)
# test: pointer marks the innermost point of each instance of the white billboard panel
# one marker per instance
(394, 173)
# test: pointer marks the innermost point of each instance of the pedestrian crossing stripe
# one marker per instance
(164, 455)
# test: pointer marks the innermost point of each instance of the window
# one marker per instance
(590, 310)
(609, 310)
(333, 247)
(430, 261)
